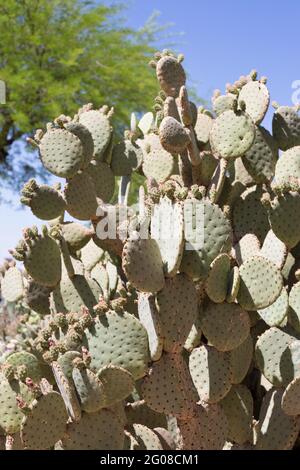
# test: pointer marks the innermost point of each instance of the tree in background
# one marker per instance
(57, 55)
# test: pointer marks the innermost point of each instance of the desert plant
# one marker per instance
(179, 328)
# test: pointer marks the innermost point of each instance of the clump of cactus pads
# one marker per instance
(175, 326)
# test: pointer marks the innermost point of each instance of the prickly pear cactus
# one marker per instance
(174, 323)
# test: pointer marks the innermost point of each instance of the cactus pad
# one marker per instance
(150, 319)
(238, 408)
(103, 179)
(121, 340)
(177, 307)
(211, 373)
(95, 431)
(277, 311)
(225, 326)
(290, 401)
(208, 234)
(61, 152)
(80, 195)
(256, 98)
(260, 283)
(232, 134)
(142, 263)
(117, 382)
(276, 430)
(276, 356)
(217, 281)
(240, 360)
(46, 422)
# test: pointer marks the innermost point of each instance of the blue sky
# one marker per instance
(221, 41)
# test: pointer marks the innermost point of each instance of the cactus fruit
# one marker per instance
(176, 326)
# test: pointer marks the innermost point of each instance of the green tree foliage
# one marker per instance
(57, 55)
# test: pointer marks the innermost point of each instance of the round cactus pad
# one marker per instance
(260, 283)
(120, 340)
(211, 373)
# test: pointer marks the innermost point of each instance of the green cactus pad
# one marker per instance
(95, 431)
(294, 304)
(65, 384)
(117, 382)
(177, 306)
(173, 136)
(37, 297)
(261, 158)
(277, 311)
(158, 164)
(72, 294)
(260, 283)
(43, 261)
(240, 360)
(238, 408)
(90, 255)
(45, 202)
(139, 412)
(170, 74)
(90, 390)
(103, 179)
(126, 157)
(232, 134)
(203, 127)
(34, 369)
(167, 229)
(290, 401)
(288, 168)
(142, 263)
(85, 137)
(286, 127)
(100, 275)
(274, 249)
(211, 373)
(76, 235)
(225, 326)
(256, 97)
(81, 198)
(208, 234)
(217, 281)
(275, 430)
(97, 122)
(284, 220)
(118, 339)
(46, 423)
(203, 173)
(168, 387)
(12, 285)
(10, 414)
(276, 356)
(224, 103)
(207, 430)
(61, 152)
(249, 215)
(65, 362)
(233, 285)
(150, 319)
